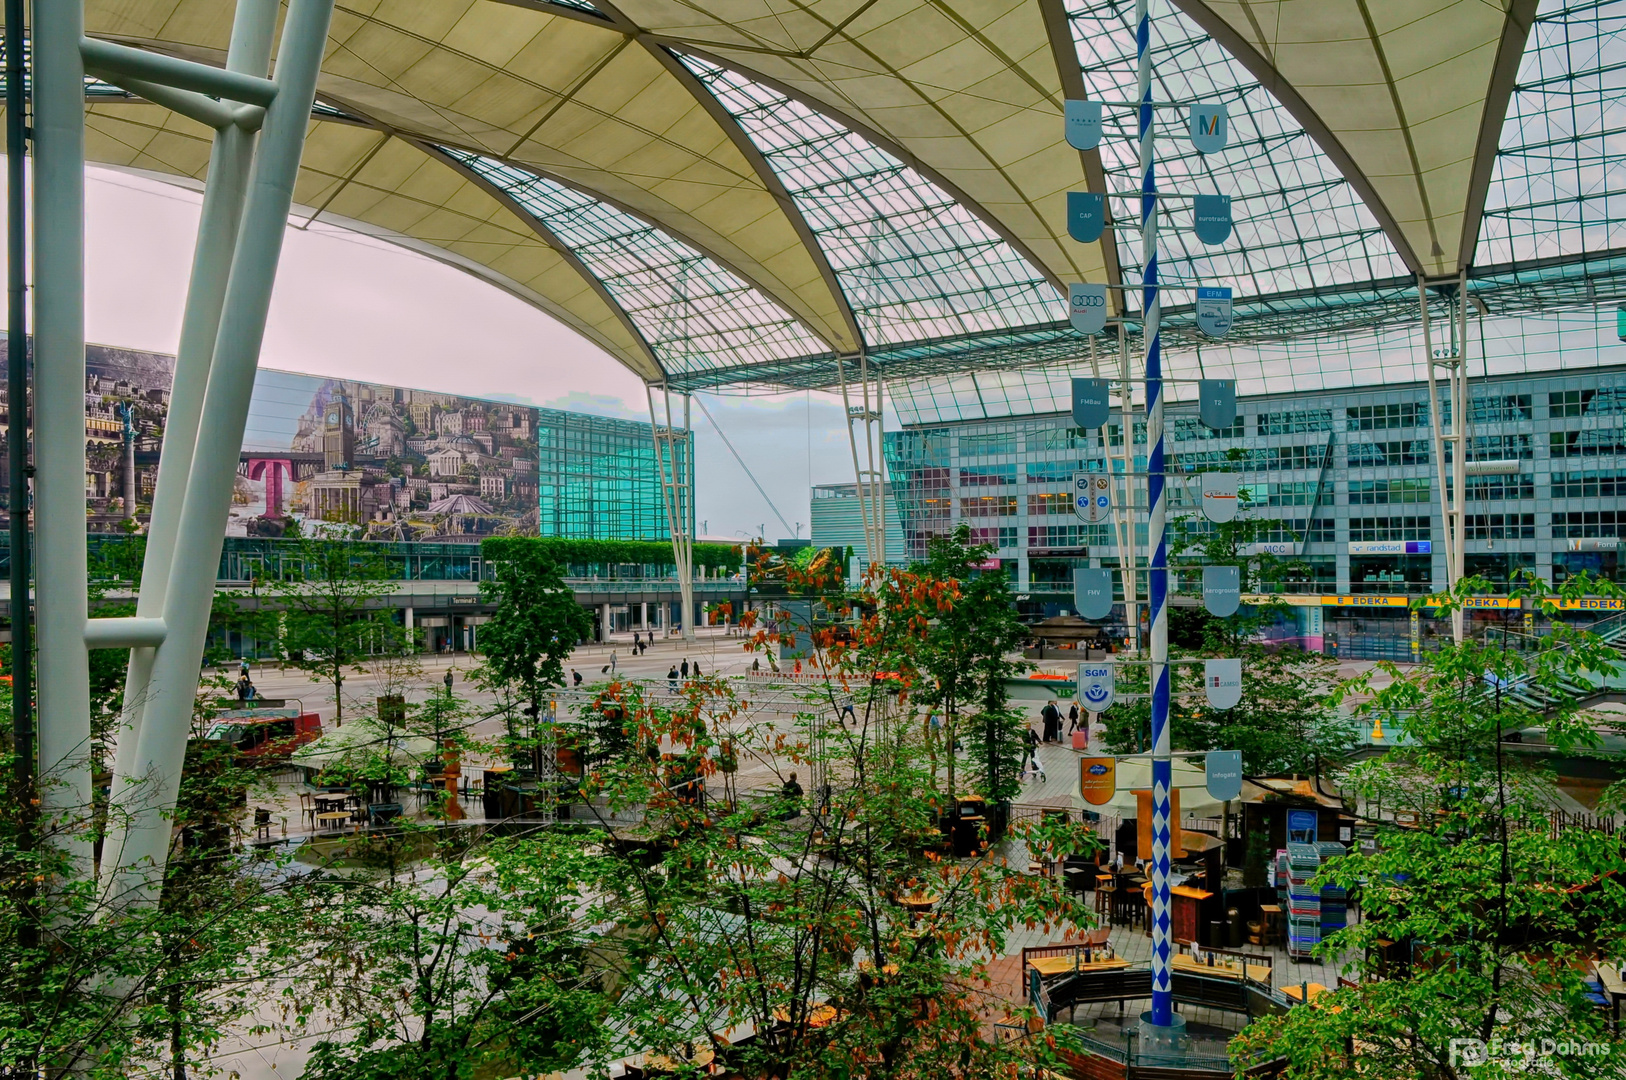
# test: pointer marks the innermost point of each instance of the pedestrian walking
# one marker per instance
(846, 712)
(1072, 718)
(575, 677)
(685, 667)
(672, 679)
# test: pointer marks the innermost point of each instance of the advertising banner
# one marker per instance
(1214, 310)
(1224, 774)
(1097, 779)
(1090, 405)
(1083, 124)
(1220, 495)
(1222, 590)
(1222, 682)
(1092, 497)
(1086, 215)
(1087, 311)
(1211, 218)
(1208, 127)
(1092, 592)
(1095, 686)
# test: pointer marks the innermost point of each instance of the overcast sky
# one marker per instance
(352, 307)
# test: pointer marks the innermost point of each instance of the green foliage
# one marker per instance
(331, 614)
(1499, 913)
(965, 659)
(570, 552)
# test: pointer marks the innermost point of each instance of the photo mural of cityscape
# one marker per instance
(380, 462)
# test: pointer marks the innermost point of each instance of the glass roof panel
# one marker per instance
(695, 314)
(1559, 185)
(913, 263)
(1298, 223)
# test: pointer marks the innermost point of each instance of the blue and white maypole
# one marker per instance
(1162, 1014)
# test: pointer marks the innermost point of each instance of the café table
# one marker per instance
(1066, 965)
(1614, 988)
(1228, 969)
(1296, 992)
(337, 819)
(700, 1055)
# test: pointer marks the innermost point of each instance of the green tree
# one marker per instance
(1494, 913)
(965, 657)
(537, 623)
(332, 614)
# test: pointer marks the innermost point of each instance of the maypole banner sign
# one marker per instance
(1222, 590)
(1087, 311)
(1092, 592)
(1092, 497)
(1208, 127)
(1083, 124)
(1222, 682)
(1211, 218)
(1086, 215)
(1097, 779)
(1091, 407)
(1095, 686)
(1223, 769)
(1216, 403)
(1220, 495)
(1214, 310)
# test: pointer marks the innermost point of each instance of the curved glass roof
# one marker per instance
(744, 193)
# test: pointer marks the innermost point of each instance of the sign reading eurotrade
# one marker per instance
(1390, 547)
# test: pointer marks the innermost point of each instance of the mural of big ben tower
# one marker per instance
(338, 434)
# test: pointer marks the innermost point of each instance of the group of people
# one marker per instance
(640, 644)
(1050, 717)
(677, 671)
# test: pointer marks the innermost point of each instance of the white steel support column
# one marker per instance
(227, 185)
(1452, 356)
(676, 466)
(59, 423)
(150, 784)
(869, 473)
(1122, 515)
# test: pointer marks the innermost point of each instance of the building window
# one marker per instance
(1388, 528)
(1003, 442)
(1393, 490)
(1294, 530)
(1500, 526)
(1493, 488)
(1294, 493)
(1496, 448)
(1575, 524)
(1381, 417)
(1294, 421)
(1068, 536)
(1587, 484)
(1044, 505)
(1004, 537)
(1059, 439)
(1187, 428)
(1371, 455)
(988, 506)
(1059, 472)
(1598, 442)
(1115, 433)
(988, 476)
(1596, 402)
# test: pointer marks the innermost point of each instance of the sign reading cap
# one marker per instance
(1095, 686)
(1222, 682)
(1214, 310)
(1090, 405)
(1087, 308)
(1209, 130)
(1083, 124)
(1211, 218)
(1223, 769)
(1086, 215)
(1222, 590)
(1216, 403)
(1092, 592)
(1220, 496)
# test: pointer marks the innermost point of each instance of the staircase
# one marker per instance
(1578, 691)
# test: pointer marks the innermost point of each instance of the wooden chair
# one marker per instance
(307, 808)
(262, 823)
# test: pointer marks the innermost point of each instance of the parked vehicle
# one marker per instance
(265, 734)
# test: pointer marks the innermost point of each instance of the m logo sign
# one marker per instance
(1209, 131)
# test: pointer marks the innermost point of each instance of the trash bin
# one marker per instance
(1233, 919)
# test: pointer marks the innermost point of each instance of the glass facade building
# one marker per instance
(598, 479)
(1330, 476)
